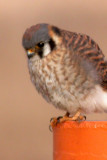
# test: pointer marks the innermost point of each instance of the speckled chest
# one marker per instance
(48, 77)
(59, 81)
(52, 80)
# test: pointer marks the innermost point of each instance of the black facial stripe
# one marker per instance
(52, 44)
(56, 30)
(40, 54)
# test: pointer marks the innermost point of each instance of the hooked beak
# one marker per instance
(31, 52)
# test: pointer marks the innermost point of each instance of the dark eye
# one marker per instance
(41, 44)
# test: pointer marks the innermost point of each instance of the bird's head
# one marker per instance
(40, 40)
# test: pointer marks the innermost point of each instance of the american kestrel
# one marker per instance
(68, 69)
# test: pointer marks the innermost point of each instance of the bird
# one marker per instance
(68, 69)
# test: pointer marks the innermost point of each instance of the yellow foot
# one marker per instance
(76, 117)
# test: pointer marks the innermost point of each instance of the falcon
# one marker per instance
(68, 69)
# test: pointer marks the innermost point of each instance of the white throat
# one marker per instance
(46, 49)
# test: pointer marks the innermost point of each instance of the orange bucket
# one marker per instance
(80, 141)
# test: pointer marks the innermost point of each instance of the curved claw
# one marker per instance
(81, 118)
(54, 122)
(51, 119)
(50, 128)
(85, 118)
(58, 119)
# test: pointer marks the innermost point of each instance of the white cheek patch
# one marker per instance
(46, 49)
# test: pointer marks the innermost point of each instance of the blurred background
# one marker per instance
(24, 115)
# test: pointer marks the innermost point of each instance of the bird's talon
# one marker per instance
(51, 119)
(85, 118)
(77, 117)
(54, 122)
(58, 119)
(50, 128)
(81, 118)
